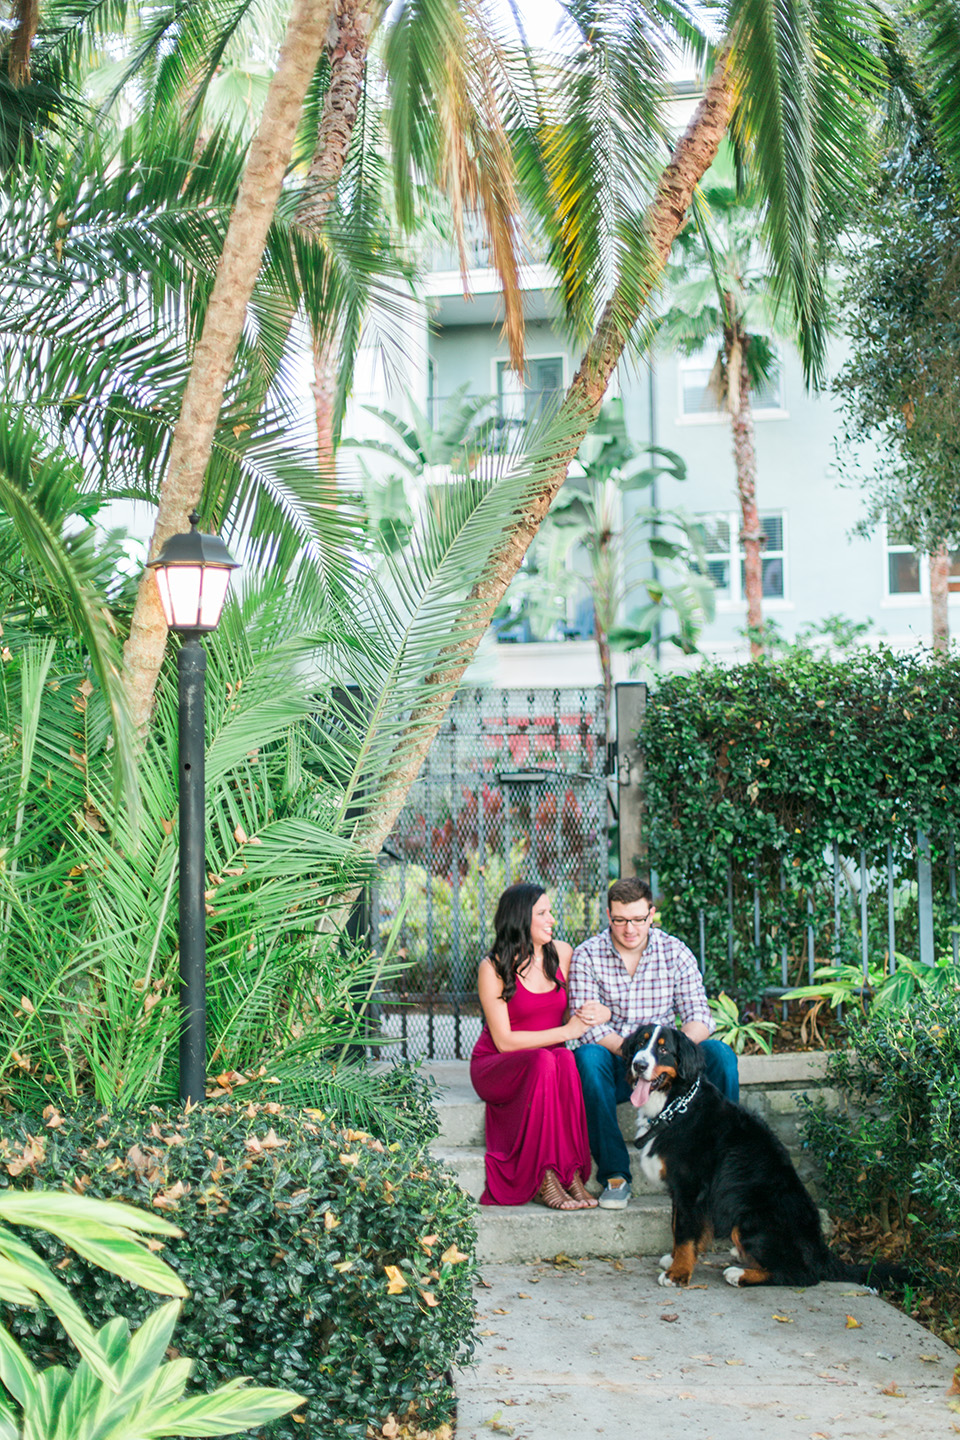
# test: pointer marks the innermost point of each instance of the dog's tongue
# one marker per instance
(640, 1093)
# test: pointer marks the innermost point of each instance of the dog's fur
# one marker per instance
(727, 1174)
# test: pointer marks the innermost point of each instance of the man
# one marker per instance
(643, 976)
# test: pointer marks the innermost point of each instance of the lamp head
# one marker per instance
(193, 574)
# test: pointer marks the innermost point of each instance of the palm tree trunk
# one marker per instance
(751, 535)
(190, 448)
(352, 25)
(691, 158)
(24, 18)
(939, 595)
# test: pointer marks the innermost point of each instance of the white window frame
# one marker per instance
(705, 359)
(503, 361)
(734, 599)
(892, 599)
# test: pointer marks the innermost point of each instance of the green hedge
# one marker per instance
(324, 1260)
(769, 760)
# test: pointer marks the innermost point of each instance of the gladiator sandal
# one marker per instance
(580, 1193)
(553, 1195)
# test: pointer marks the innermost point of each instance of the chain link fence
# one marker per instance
(514, 788)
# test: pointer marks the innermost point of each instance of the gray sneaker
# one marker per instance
(616, 1196)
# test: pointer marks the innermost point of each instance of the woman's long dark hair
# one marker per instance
(512, 945)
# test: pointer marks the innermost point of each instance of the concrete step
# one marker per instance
(770, 1086)
(468, 1162)
(531, 1232)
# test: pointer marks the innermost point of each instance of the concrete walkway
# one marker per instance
(598, 1348)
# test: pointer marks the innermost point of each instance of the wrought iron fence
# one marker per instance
(866, 906)
(514, 788)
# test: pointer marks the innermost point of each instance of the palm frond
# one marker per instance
(36, 491)
(803, 70)
(938, 33)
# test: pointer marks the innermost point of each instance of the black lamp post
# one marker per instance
(193, 573)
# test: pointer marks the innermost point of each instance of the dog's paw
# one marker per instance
(734, 1274)
(666, 1261)
(643, 1125)
(664, 1279)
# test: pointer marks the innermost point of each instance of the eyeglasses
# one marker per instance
(622, 921)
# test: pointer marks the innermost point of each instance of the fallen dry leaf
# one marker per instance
(669, 1318)
(330, 1221)
(429, 1298)
(390, 1427)
(853, 1323)
(639, 1357)
(734, 1362)
(955, 1382)
(499, 1312)
(522, 1295)
(495, 1423)
(343, 1266)
(892, 1389)
(783, 1319)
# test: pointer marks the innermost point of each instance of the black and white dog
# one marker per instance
(727, 1174)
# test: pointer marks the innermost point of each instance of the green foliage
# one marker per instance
(899, 389)
(845, 984)
(739, 1031)
(899, 1157)
(319, 1258)
(650, 559)
(746, 766)
(123, 1387)
(88, 921)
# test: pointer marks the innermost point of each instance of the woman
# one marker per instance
(537, 1144)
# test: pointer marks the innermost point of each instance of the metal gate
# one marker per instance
(514, 788)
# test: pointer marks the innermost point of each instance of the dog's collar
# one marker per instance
(674, 1108)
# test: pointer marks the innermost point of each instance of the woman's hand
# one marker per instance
(593, 1012)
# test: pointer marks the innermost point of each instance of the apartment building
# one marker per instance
(815, 565)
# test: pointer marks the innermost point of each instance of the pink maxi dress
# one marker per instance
(535, 1114)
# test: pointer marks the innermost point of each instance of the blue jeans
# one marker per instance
(603, 1077)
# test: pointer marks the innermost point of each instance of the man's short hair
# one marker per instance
(628, 891)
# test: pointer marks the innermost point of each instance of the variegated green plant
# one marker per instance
(124, 1388)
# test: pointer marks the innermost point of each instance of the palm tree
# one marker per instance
(587, 150)
(721, 292)
(589, 512)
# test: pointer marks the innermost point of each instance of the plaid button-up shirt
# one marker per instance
(665, 984)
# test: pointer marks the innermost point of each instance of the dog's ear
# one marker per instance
(689, 1058)
(628, 1048)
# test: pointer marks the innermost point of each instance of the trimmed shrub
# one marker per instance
(752, 774)
(321, 1259)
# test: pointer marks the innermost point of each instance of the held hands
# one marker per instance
(591, 1013)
